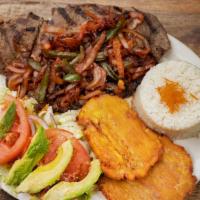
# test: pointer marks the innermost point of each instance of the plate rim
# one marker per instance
(176, 45)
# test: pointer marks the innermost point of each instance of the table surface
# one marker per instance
(181, 18)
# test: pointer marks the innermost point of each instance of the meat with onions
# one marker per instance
(82, 52)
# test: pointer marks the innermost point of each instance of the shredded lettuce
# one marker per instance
(67, 121)
(29, 104)
(11, 189)
(3, 88)
(47, 115)
(88, 195)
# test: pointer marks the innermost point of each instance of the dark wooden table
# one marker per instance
(181, 18)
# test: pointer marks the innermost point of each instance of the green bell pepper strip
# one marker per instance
(79, 57)
(72, 77)
(109, 70)
(128, 63)
(34, 64)
(61, 54)
(42, 88)
(113, 32)
(101, 56)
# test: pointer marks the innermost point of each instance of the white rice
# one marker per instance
(186, 121)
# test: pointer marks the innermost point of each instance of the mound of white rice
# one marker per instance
(185, 122)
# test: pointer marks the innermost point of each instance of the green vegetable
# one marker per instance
(24, 166)
(41, 92)
(9, 188)
(79, 57)
(128, 63)
(109, 70)
(87, 195)
(7, 120)
(61, 54)
(69, 190)
(3, 89)
(72, 77)
(47, 175)
(67, 66)
(100, 56)
(113, 32)
(29, 105)
(34, 64)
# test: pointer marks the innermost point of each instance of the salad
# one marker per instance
(43, 156)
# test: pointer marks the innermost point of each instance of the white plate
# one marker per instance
(178, 52)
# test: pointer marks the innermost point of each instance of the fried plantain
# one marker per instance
(170, 179)
(126, 148)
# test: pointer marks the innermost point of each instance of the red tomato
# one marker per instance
(80, 162)
(15, 141)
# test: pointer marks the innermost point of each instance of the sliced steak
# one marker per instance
(22, 33)
(17, 38)
(158, 39)
(36, 51)
(6, 54)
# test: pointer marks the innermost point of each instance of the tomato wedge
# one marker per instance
(80, 162)
(15, 141)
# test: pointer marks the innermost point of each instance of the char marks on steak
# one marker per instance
(158, 39)
(21, 34)
(17, 38)
(70, 27)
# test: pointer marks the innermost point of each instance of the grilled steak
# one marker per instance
(156, 35)
(73, 16)
(17, 38)
(6, 54)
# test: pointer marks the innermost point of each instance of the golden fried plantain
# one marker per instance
(126, 148)
(170, 179)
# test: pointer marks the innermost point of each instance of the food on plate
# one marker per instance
(125, 147)
(81, 52)
(66, 190)
(23, 167)
(50, 157)
(171, 178)
(17, 38)
(7, 119)
(17, 138)
(168, 99)
(47, 175)
(80, 162)
(90, 57)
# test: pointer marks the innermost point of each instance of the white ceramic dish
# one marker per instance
(179, 51)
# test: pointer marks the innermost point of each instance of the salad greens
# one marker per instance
(69, 190)
(47, 175)
(7, 120)
(22, 167)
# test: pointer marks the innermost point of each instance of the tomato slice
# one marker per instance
(80, 162)
(15, 141)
